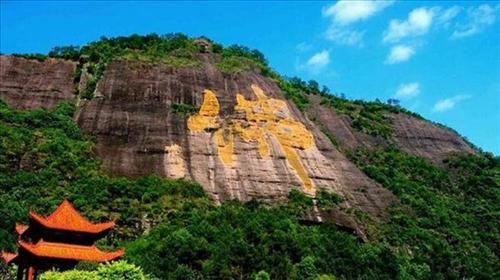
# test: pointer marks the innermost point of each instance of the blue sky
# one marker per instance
(441, 59)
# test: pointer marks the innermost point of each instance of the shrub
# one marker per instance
(236, 64)
(89, 89)
(328, 200)
(244, 52)
(182, 108)
(66, 52)
(294, 91)
(367, 117)
(326, 277)
(35, 56)
(70, 275)
(262, 275)
(118, 270)
(305, 269)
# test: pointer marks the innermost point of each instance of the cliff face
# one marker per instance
(244, 140)
(426, 139)
(28, 84)
(409, 134)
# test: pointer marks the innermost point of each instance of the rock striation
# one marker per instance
(245, 141)
(412, 135)
(28, 83)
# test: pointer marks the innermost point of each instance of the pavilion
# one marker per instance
(59, 241)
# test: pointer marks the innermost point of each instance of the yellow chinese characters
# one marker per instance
(263, 118)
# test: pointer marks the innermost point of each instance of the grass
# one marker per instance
(234, 64)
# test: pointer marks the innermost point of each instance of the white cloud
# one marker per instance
(347, 12)
(448, 103)
(418, 23)
(304, 47)
(478, 18)
(344, 36)
(400, 53)
(407, 91)
(319, 60)
(445, 17)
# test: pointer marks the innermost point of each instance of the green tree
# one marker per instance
(119, 270)
(66, 52)
(262, 275)
(313, 86)
(325, 277)
(305, 269)
(70, 275)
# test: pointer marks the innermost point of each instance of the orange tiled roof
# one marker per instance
(7, 257)
(69, 251)
(67, 218)
(20, 229)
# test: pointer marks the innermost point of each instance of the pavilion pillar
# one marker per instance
(31, 273)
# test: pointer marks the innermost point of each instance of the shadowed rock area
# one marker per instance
(426, 139)
(410, 134)
(28, 83)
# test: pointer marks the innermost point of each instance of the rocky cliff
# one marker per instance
(410, 134)
(28, 83)
(243, 139)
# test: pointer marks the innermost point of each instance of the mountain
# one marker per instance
(191, 109)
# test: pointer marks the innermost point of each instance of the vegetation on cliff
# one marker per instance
(237, 58)
(238, 240)
(449, 218)
(183, 108)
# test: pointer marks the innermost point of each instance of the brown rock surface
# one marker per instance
(340, 126)
(28, 83)
(426, 139)
(410, 134)
(138, 133)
